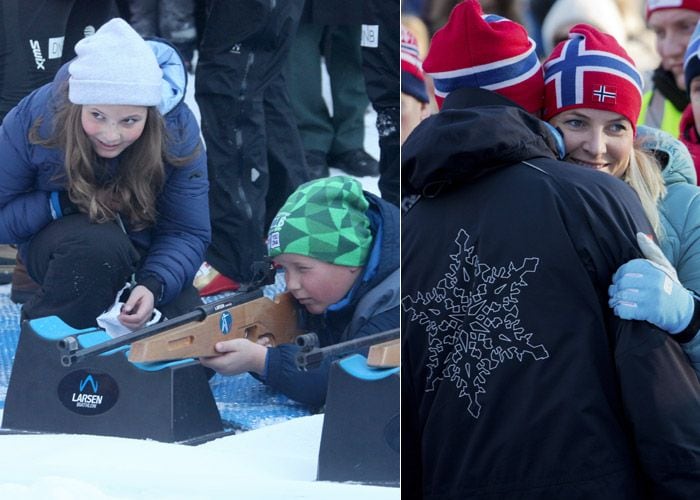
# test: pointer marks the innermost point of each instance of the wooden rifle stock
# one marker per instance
(277, 320)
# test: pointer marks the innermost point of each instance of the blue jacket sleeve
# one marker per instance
(680, 211)
(183, 229)
(309, 387)
(24, 208)
(681, 243)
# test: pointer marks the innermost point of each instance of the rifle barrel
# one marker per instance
(312, 358)
(72, 353)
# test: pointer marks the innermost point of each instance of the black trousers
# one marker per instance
(169, 19)
(80, 267)
(37, 37)
(380, 64)
(254, 152)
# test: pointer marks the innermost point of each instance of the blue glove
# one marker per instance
(644, 290)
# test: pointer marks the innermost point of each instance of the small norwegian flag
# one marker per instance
(605, 93)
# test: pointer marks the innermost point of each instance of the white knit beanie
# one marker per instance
(115, 66)
(602, 14)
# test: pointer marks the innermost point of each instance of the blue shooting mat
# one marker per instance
(9, 335)
(244, 402)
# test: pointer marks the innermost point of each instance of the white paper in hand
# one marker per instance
(109, 320)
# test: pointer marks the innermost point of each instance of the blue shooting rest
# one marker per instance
(360, 436)
(104, 394)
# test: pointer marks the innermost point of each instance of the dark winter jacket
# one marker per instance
(332, 12)
(350, 318)
(517, 379)
(175, 246)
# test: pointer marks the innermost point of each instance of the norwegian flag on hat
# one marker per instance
(485, 51)
(591, 70)
(654, 5)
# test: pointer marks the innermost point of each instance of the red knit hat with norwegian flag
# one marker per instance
(654, 5)
(591, 70)
(473, 50)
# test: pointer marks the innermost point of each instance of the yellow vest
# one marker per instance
(658, 112)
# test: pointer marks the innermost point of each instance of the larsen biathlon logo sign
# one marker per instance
(88, 393)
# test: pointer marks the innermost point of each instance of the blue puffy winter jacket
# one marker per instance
(175, 245)
(680, 208)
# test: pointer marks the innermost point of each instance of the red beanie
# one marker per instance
(654, 5)
(591, 70)
(485, 51)
(412, 79)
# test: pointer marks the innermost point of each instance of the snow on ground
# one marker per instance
(275, 462)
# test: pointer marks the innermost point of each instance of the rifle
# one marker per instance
(246, 315)
(384, 349)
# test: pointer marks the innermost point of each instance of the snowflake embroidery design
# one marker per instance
(472, 320)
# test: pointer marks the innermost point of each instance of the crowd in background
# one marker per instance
(547, 22)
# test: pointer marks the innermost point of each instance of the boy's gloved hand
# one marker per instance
(649, 290)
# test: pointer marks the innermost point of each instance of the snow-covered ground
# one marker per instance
(275, 462)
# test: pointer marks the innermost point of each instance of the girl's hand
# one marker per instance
(138, 309)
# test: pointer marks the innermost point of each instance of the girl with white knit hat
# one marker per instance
(105, 182)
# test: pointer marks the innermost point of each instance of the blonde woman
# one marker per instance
(593, 97)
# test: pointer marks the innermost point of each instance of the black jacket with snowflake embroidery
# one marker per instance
(517, 379)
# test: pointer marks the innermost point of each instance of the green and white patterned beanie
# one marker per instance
(324, 219)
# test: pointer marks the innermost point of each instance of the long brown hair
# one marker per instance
(133, 190)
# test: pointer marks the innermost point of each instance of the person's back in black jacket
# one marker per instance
(517, 379)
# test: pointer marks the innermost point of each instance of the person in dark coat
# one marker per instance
(517, 379)
(105, 183)
(338, 247)
(34, 47)
(254, 153)
(173, 20)
(381, 68)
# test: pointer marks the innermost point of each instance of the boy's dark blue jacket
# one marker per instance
(175, 246)
(348, 321)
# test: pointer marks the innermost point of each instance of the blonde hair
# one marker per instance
(133, 190)
(643, 174)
